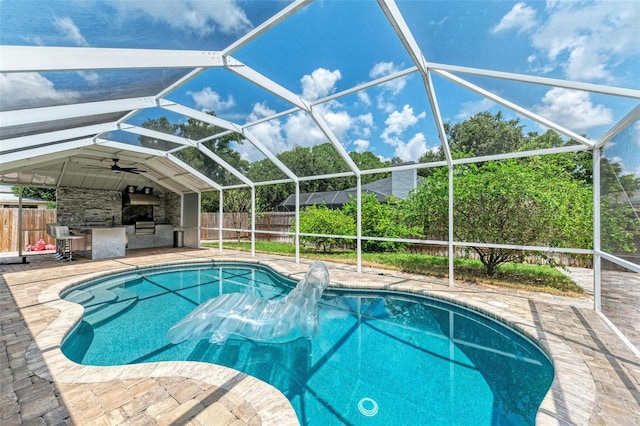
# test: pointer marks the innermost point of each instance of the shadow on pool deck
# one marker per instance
(24, 396)
(30, 394)
(598, 376)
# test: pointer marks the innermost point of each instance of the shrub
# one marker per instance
(379, 220)
(322, 220)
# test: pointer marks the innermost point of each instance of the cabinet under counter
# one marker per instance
(101, 242)
(162, 237)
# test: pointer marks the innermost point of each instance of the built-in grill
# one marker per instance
(145, 227)
(137, 209)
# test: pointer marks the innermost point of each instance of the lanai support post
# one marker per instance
(597, 260)
(451, 225)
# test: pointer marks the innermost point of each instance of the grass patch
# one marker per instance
(540, 278)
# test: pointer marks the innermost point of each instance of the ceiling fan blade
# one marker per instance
(132, 170)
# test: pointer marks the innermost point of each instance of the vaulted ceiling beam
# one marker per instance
(554, 82)
(217, 121)
(185, 141)
(63, 112)
(29, 157)
(266, 83)
(31, 141)
(41, 59)
(514, 107)
(401, 28)
(265, 26)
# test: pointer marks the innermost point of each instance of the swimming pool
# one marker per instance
(379, 358)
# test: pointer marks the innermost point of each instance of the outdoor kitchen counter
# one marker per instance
(162, 237)
(102, 242)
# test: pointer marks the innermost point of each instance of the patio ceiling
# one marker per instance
(100, 96)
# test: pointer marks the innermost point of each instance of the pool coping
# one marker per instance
(45, 357)
(572, 378)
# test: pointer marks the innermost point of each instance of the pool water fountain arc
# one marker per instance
(256, 318)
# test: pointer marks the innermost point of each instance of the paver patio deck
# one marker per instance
(597, 378)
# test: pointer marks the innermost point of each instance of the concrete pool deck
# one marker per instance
(597, 377)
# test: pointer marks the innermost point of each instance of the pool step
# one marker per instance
(81, 297)
(121, 299)
(102, 303)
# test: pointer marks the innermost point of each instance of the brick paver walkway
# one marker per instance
(597, 377)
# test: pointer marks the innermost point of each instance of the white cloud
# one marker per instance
(439, 23)
(340, 122)
(208, 99)
(587, 39)
(229, 17)
(366, 124)
(199, 17)
(320, 83)
(20, 90)
(384, 105)
(70, 31)
(260, 110)
(302, 131)
(412, 150)
(471, 108)
(520, 17)
(90, 77)
(268, 133)
(364, 98)
(382, 69)
(361, 145)
(586, 65)
(398, 122)
(573, 110)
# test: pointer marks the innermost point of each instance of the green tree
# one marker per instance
(368, 161)
(309, 161)
(484, 134)
(531, 202)
(163, 125)
(223, 147)
(46, 194)
(196, 130)
(619, 224)
(237, 203)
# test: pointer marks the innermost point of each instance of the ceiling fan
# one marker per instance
(117, 169)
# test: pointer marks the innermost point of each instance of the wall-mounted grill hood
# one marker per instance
(140, 200)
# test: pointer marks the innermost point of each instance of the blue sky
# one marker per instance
(330, 46)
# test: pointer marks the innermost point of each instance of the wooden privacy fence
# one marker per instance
(269, 222)
(34, 227)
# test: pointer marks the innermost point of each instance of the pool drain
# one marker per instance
(372, 408)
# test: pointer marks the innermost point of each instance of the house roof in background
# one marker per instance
(8, 197)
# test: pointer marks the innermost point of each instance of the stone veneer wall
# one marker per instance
(172, 208)
(91, 207)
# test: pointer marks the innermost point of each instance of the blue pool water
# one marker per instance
(378, 359)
